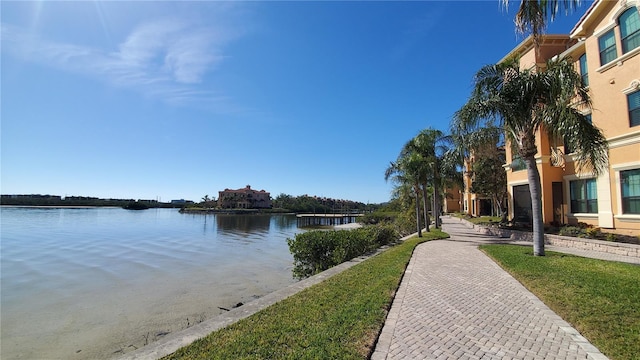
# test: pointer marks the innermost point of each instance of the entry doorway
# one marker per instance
(522, 212)
(486, 207)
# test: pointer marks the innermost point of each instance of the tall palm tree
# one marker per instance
(421, 163)
(525, 102)
(532, 15)
(431, 144)
(411, 148)
(405, 172)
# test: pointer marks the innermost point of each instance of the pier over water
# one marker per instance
(326, 219)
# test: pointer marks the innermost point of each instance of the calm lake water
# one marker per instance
(96, 283)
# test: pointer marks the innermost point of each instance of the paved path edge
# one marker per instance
(381, 347)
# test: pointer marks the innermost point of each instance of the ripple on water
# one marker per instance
(94, 279)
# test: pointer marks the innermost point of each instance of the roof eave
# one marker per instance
(527, 44)
(579, 29)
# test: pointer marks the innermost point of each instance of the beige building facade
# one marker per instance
(452, 200)
(245, 198)
(605, 45)
(471, 203)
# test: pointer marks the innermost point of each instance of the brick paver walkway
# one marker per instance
(456, 303)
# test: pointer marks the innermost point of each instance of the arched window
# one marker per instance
(629, 29)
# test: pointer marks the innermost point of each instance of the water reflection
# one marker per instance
(243, 223)
(285, 221)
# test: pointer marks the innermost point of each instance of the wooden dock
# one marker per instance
(325, 219)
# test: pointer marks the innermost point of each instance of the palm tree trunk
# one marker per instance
(418, 213)
(436, 197)
(436, 210)
(535, 190)
(433, 211)
(426, 210)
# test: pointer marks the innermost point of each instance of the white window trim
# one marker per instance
(609, 26)
(567, 197)
(628, 218)
(624, 140)
(634, 86)
(516, 183)
(624, 6)
(580, 176)
(617, 169)
(583, 216)
(618, 61)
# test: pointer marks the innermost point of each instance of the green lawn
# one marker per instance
(339, 318)
(601, 299)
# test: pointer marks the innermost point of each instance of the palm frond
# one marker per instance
(532, 15)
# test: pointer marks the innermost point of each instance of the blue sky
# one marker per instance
(169, 100)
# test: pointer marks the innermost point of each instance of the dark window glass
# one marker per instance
(629, 23)
(630, 186)
(607, 44)
(584, 196)
(584, 71)
(634, 108)
(517, 163)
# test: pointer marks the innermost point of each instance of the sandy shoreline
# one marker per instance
(130, 319)
(153, 329)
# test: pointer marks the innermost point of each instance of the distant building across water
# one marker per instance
(245, 198)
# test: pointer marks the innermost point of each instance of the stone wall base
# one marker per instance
(558, 240)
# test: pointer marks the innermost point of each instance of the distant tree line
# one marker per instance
(55, 200)
(315, 204)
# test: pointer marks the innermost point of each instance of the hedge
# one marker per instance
(318, 250)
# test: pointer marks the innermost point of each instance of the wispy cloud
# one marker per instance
(167, 59)
(418, 30)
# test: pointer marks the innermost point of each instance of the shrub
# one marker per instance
(583, 225)
(592, 232)
(571, 231)
(611, 237)
(378, 217)
(318, 250)
(406, 223)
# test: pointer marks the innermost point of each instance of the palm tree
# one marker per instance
(525, 102)
(405, 172)
(431, 145)
(533, 15)
(411, 150)
(421, 164)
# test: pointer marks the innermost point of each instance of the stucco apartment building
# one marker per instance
(605, 45)
(245, 198)
(452, 199)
